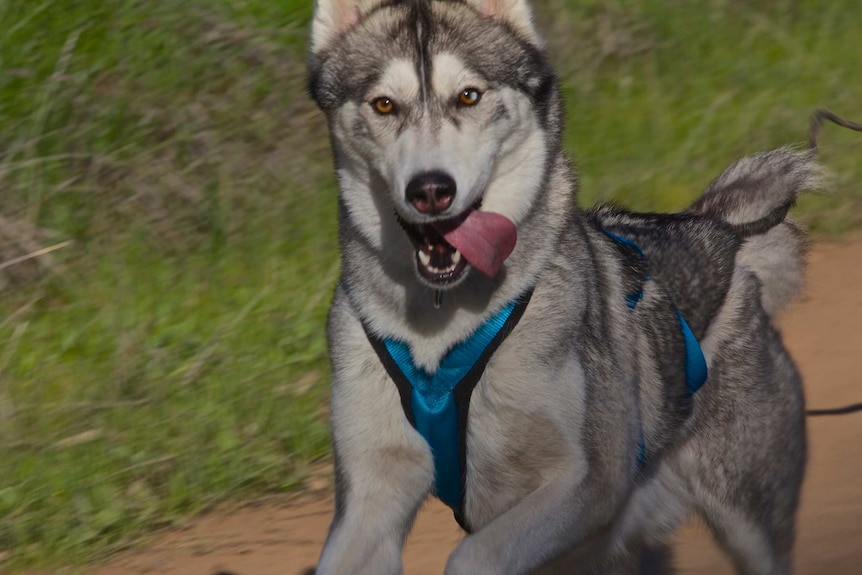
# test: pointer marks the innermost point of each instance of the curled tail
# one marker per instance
(753, 196)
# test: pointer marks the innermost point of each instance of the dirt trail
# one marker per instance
(823, 333)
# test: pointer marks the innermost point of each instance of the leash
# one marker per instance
(817, 119)
(777, 216)
(847, 409)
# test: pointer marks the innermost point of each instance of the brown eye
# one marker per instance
(383, 106)
(469, 97)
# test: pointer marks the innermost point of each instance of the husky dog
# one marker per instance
(584, 437)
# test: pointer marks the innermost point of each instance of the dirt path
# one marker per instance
(823, 334)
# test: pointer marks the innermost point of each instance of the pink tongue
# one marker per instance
(484, 238)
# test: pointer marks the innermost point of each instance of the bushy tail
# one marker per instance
(753, 196)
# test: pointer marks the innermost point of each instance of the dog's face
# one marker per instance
(436, 110)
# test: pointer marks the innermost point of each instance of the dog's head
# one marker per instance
(440, 113)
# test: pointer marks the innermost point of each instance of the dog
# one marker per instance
(574, 384)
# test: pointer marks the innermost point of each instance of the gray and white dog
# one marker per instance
(583, 442)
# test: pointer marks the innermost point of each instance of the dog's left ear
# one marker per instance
(515, 13)
(335, 17)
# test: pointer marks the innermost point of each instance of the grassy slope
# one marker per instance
(675, 91)
(173, 355)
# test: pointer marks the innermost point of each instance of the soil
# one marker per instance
(284, 538)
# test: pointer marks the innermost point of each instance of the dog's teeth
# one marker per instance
(456, 257)
(424, 258)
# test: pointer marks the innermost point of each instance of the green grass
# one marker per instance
(664, 95)
(172, 355)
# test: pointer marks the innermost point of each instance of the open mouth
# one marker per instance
(437, 261)
(445, 247)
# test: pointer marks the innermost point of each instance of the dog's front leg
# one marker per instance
(382, 477)
(383, 467)
(559, 515)
(374, 512)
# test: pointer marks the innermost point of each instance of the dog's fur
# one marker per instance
(552, 484)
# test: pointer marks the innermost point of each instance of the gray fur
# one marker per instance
(752, 189)
(552, 480)
(755, 186)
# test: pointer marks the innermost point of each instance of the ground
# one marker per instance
(285, 537)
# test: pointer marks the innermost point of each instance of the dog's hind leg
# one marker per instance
(751, 547)
(752, 520)
(745, 459)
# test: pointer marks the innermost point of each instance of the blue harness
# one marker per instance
(437, 404)
(695, 362)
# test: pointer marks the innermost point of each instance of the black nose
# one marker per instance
(431, 192)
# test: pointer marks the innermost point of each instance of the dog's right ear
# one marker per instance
(516, 13)
(335, 17)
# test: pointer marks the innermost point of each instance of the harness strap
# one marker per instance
(437, 404)
(696, 370)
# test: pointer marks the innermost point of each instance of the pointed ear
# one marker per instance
(515, 13)
(335, 17)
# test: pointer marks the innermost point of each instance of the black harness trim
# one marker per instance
(462, 392)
